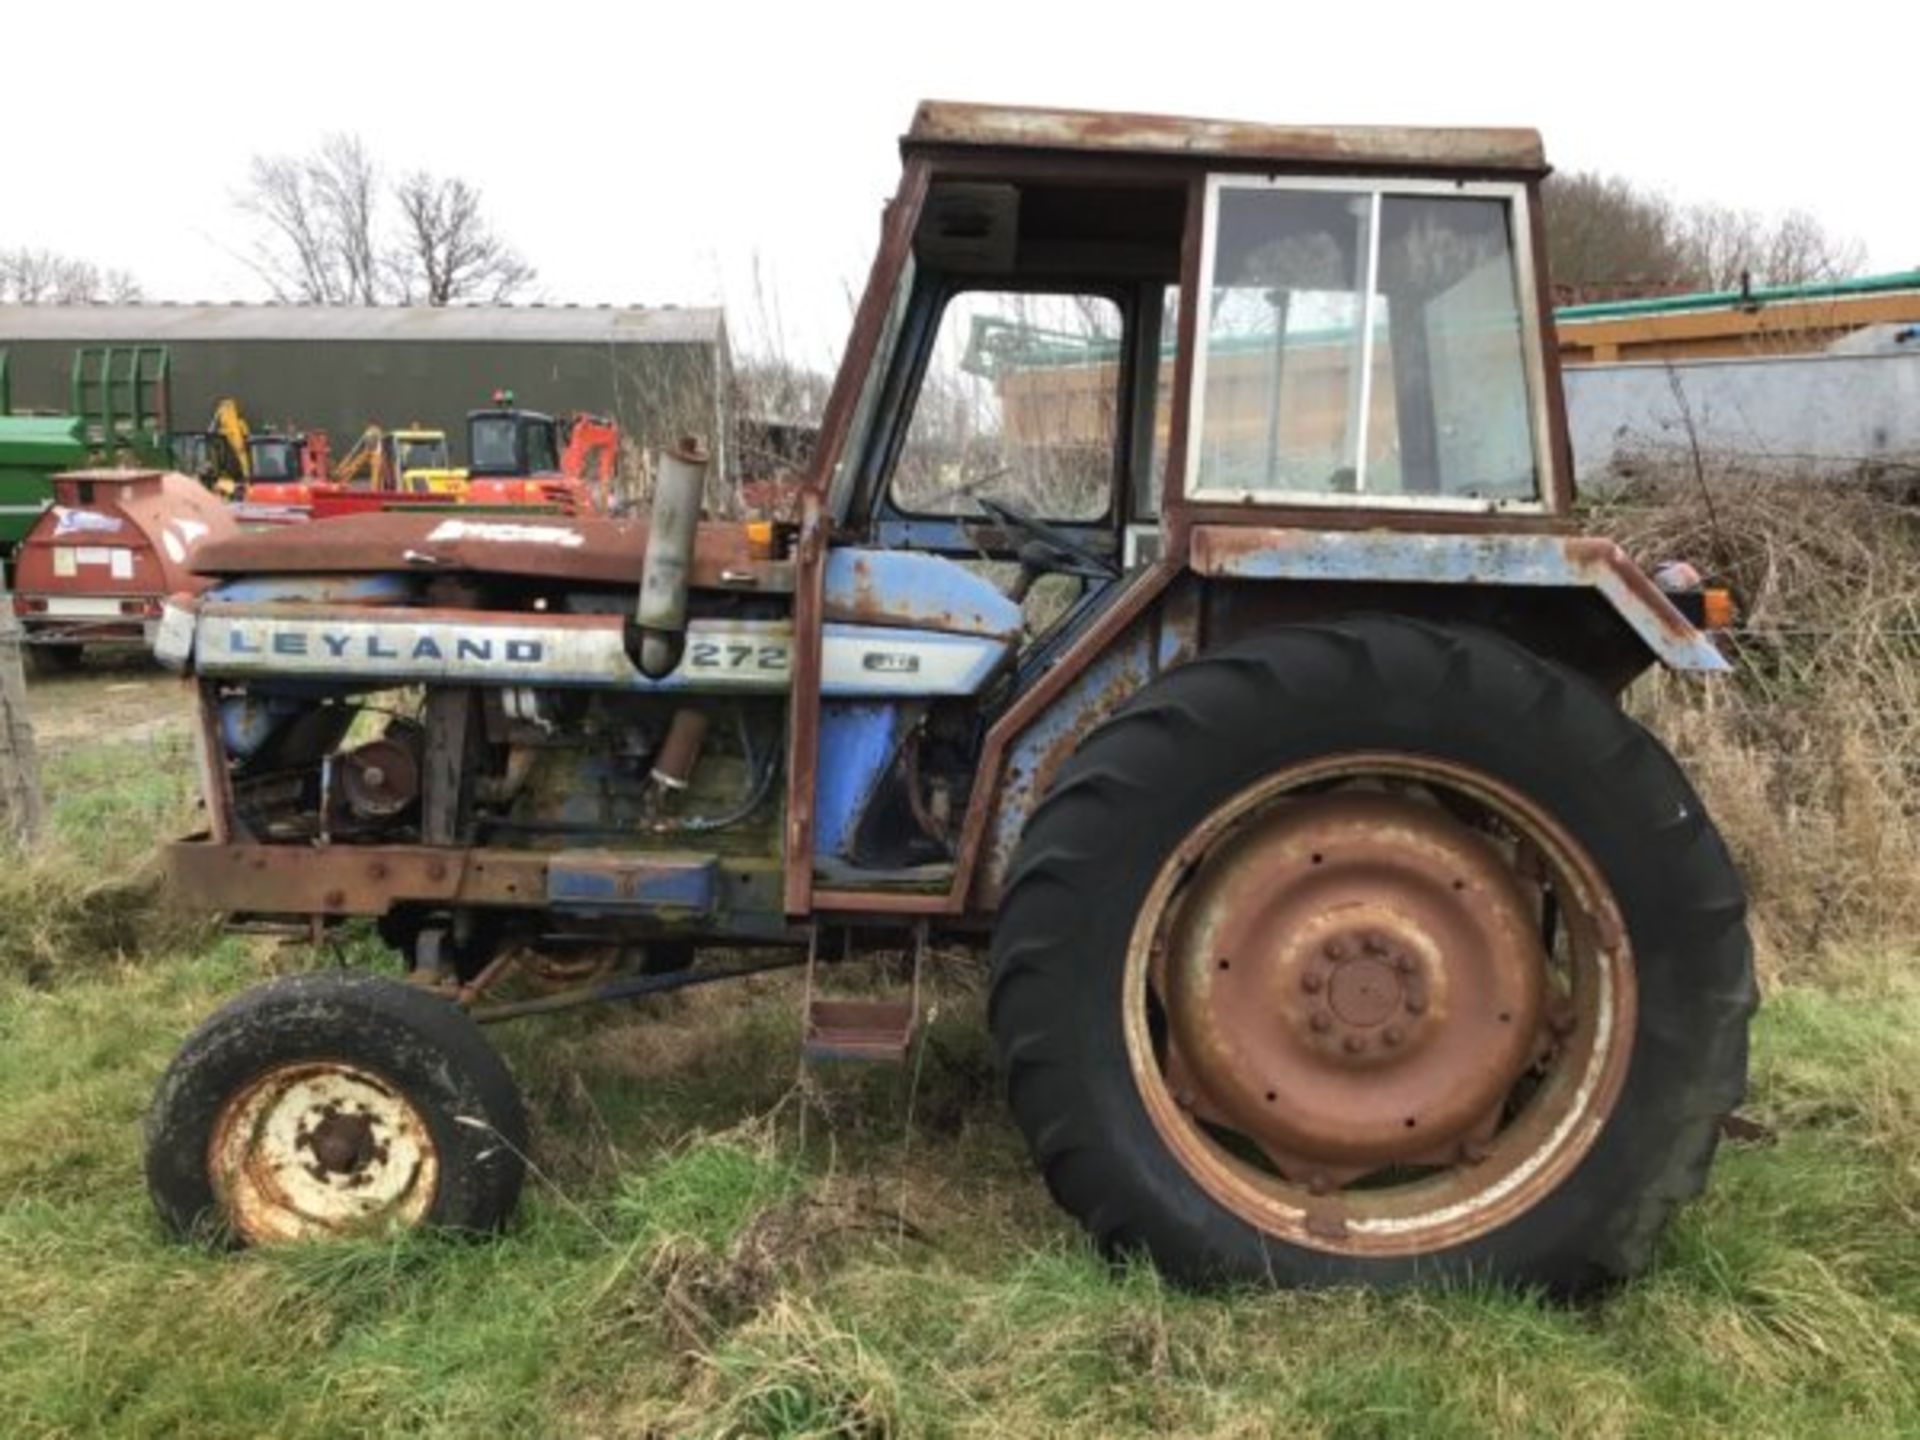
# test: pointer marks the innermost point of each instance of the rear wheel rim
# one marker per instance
(317, 1149)
(1379, 1004)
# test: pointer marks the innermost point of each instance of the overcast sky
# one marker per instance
(693, 153)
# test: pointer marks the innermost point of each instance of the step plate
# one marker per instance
(859, 1030)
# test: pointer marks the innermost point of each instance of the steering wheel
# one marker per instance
(1064, 553)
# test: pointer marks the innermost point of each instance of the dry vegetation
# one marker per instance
(1808, 756)
(713, 1247)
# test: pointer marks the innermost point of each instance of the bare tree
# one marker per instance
(775, 388)
(327, 235)
(1727, 247)
(345, 183)
(45, 277)
(447, 251)
(1608, 236)
(317, 243)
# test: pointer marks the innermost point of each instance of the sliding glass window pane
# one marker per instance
(1449, 352)
(1284, 342)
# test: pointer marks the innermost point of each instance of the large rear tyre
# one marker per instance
(1370, 952)
(335, 1104)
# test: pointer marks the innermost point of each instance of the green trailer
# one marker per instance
(118, 407)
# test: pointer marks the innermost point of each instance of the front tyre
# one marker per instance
(335, 1104)
(1373, 951)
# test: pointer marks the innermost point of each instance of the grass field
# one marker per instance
(713, 1247)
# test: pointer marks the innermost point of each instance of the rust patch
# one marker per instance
(586, 549)
(1358, 985)
(938, 122)
(348, 879)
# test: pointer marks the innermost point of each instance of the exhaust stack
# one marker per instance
(657, 635)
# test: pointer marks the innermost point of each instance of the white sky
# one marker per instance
(674, 153)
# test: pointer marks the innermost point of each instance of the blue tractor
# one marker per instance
(1184, 600)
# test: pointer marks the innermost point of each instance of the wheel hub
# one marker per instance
(320, 1148)
(1352, 985)
(342, 1144)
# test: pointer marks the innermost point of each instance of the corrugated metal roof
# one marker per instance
(162, 323)
(941, 122)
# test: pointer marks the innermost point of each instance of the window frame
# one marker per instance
(1533, 356)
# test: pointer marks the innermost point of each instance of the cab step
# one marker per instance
(846, 1028)
(860, 1029)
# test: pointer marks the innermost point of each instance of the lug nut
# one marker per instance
(1416, 1004)
(1336, 949)
(1321, 1024)
(1404, 964)
(1311, 983)
(1375, 945)
(1354, 1044)
(1393, 1035)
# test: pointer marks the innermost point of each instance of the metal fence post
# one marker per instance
(22, 808)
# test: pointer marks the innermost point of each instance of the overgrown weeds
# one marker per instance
(1808, 755)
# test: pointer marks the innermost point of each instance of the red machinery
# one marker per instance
(114, 544)
(517, 460)
(282, 471)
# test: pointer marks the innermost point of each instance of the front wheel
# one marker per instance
(335, 1104)
(1372, 951)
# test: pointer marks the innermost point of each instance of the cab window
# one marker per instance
(1362, 344)
(1019, 403)
(491, 441)
(541, 456)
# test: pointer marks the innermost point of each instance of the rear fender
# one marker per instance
(1479, 562)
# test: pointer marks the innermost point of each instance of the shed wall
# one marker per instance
(656, 391)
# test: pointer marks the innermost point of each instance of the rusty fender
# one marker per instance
(1549, 562)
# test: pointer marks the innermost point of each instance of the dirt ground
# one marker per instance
(113, 696)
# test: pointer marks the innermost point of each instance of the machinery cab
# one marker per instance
(420, 458)
(273, 458)
(1105, 352)
(504, 442)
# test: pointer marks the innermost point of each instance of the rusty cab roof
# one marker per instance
(941, 125)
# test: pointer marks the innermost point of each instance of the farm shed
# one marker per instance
(659, 371)
(1736, 324)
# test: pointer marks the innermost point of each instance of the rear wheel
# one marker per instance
(335, 1104)
(1370, 951)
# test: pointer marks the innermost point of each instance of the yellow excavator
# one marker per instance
(412, 461)
(226, 457)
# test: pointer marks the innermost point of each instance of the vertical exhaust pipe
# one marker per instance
(657, 634)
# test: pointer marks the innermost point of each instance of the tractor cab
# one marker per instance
(505, 442)
(1065, 365)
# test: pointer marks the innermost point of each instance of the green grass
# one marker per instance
(713, 1247)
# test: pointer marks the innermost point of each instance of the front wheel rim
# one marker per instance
(1379, 1004)
(317, 1149)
